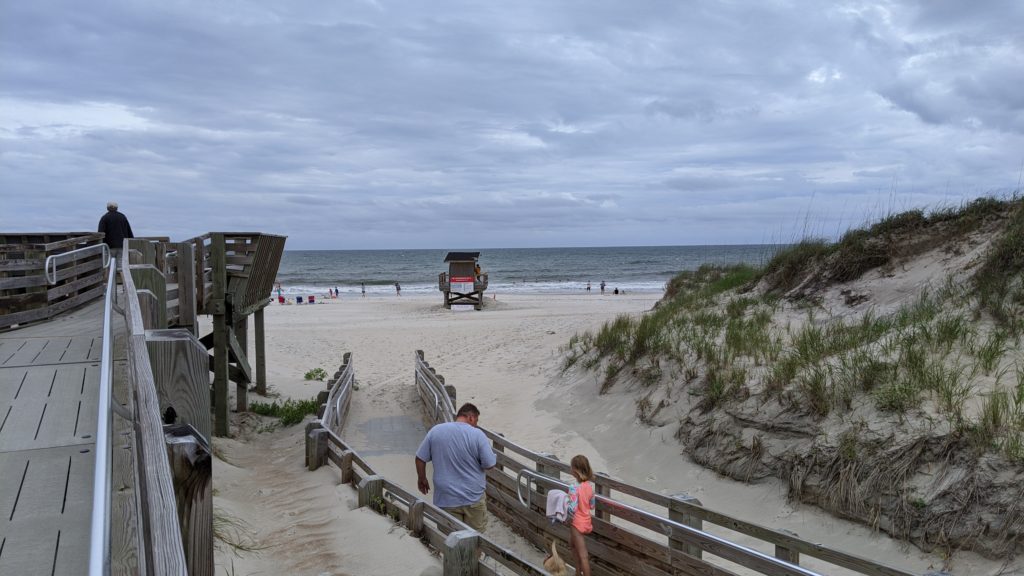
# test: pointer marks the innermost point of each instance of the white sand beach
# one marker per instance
(506, 360)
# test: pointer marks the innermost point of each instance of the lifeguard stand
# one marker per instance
(463, 283)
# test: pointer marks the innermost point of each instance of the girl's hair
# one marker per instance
(581, 467)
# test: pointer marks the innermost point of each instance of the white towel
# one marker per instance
(557, 506)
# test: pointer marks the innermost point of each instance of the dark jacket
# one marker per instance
(115, 228)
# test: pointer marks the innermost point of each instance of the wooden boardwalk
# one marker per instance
(49, 381)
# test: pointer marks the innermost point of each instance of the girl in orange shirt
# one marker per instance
(581, 504)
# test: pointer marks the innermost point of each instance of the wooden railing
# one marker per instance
(460, 546)
(25, 295)
(637, 531)
(164, 552)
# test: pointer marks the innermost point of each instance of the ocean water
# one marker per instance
(521, 270)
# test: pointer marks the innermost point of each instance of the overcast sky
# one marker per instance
(477, 124)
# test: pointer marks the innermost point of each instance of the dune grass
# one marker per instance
(720, 338)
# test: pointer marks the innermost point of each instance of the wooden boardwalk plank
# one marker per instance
(53, 406)
(24, 354)
(44, 510)
(49, 381)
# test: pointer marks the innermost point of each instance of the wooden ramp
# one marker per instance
(49, 380)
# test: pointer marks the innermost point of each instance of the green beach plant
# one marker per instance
(290, 411)
(316, 374)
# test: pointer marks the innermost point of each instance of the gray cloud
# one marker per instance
(365, 124)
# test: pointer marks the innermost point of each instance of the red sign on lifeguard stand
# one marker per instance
(462, 284)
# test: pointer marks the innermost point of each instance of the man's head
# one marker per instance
(468, 413)
(112, 206)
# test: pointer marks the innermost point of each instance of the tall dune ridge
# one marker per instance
(879, 377)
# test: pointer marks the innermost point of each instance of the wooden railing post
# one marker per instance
(497, 447)
(192, 472)
(218, 307)
(547, 470)
(787, 554)
(462, 553)
(602, 489)
(310, 426)
(316, 449)
(415, 519)
(346, 467)
(371, 491)
(677, 512)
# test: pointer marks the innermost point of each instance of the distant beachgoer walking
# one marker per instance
(602, 286)
(588, 286)
(398, 288)
(363, 286)
(115, 228)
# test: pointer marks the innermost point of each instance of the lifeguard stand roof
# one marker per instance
(461, 256)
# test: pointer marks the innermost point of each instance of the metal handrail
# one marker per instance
(667, 526)
(339, 392)
(52, 259)
(442, 400)
(99, 539)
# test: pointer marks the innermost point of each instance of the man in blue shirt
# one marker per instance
(461, 455)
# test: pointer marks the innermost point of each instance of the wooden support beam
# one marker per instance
(218, 307)
(192, 471)
(186, 279)
(182, 376)
(243, 374)
(261, 354)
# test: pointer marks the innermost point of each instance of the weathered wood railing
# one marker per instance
(25, 294)
(460, 546)
(161, 533)
(637, 531)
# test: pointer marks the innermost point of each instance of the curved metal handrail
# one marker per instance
(99, 538)
(52, 259)
(339, 394)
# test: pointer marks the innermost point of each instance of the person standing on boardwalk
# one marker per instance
(461, 455)
(581, 504)
(398, 288)
(115, 228)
